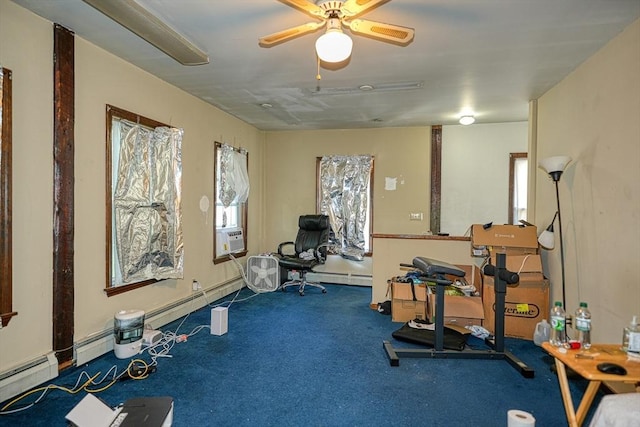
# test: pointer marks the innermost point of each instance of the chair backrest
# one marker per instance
(313, 231)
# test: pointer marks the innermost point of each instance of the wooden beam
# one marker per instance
(63, 201)
(436, 178)
(6, 290)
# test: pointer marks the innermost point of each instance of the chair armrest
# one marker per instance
(282, 245)
(319, 255)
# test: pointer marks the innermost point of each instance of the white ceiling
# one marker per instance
(488, 56)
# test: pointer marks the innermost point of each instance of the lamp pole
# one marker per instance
(564, 302)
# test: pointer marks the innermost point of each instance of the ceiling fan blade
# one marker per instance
(353, 8)
(378, 30)
(307, 7)
(288, 34)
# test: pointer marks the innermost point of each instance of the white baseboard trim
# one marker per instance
(340, 278)
(45, 368)
(28, 375)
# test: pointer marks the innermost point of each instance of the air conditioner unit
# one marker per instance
(229, 240)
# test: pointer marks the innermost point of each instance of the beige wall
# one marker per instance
(402, 153)
(475, 173)
(100, 78)
(593, 115)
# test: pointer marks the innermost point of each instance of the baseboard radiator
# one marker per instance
(340, 278)
(28, 375)
(21, 378)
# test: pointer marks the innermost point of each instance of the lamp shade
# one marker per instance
(555, 165)
(334, 46)
(547, 239)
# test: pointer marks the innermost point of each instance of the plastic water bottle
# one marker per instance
(631, 336)
(558, 336)
(542, 332)
(583, 325)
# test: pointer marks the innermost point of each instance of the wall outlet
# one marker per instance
(416, 216)
(195, 285)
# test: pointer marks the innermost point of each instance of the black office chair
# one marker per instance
(310, 249)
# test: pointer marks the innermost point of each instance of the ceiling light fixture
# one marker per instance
(334, 45)
(467, 120)
(149, 27)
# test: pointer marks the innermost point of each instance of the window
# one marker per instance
(144, 219)
(518, 170)
(231, 192)
(344, 192)
(6, 290)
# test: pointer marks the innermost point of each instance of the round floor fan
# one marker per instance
(263, 273)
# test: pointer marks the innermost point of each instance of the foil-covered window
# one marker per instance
(344, 195)
(146, 205)
(231, 189)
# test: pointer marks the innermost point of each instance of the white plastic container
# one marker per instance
(542, 332)
(128, 328)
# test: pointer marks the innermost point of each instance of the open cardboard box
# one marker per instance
(460, 310)
(509, 239)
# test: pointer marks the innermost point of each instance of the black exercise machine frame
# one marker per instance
(496, 351)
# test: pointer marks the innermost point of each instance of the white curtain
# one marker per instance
(234, 178)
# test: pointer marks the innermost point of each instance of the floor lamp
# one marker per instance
(554, 166)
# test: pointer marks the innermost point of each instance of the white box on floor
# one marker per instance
(219, 320)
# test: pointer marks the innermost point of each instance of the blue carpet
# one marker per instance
(318, 360)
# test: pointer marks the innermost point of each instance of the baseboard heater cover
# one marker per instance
(28, 375)
(340, 278)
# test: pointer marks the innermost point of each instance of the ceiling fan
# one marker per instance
(334, 45)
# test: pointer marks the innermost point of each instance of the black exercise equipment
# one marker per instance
(434, 272)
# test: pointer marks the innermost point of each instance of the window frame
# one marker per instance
(513, 158)
(243, 216)
(111, 112)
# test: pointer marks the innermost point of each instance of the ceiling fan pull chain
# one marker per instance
(318, 76)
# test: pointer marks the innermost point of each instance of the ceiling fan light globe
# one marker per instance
(334, 46)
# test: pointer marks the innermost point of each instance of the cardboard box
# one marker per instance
(525, 305)
(509, 239)
(458, 310)
(529, 267)
(403, 307)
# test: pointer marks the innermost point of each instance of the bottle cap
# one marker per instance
(558, 303)
(583, 304)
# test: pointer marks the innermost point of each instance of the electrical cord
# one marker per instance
(137, 369)
(142, 371)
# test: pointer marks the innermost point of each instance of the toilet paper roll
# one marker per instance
(517, 418)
